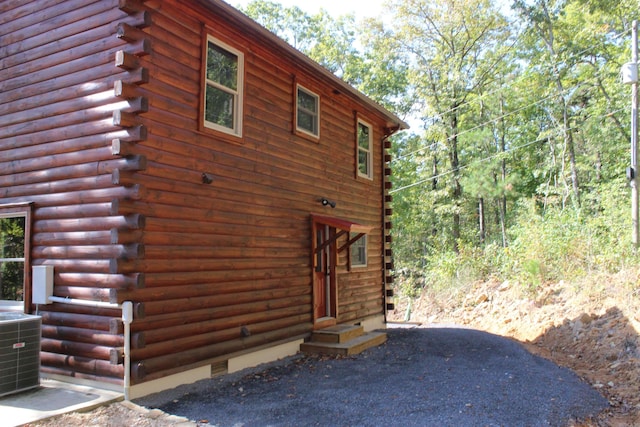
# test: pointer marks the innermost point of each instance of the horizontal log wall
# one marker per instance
(100, 129)
(227, 264)
(57, 108)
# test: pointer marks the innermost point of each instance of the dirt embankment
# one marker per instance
(591, 330)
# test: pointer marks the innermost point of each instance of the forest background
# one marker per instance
(515, 166)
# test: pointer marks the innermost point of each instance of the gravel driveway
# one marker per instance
(420, 377)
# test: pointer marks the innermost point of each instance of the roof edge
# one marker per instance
(235, 16)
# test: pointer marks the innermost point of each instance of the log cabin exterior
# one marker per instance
(176, 157)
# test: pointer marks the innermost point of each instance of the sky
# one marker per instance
(361, 8)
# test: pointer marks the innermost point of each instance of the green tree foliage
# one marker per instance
(11, 248)
(517, 169)
(456, 47)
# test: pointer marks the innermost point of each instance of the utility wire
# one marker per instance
(557, 129)
(566, 90)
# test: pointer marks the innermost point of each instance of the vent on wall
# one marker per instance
(19, 352)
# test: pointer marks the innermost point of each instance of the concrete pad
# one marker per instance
(50, 399)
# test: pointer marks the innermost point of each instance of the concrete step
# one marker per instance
(354, 346)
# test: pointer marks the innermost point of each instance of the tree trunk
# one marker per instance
(481, 220)
(455, 168)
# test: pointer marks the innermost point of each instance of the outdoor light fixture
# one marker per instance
(326, 202)
(206, 178)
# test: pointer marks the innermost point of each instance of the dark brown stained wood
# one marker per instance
(111, 314)
(64, 173)
(126, 266)
(14, 10)
(129, 33)
(71, 252)
(55, 163)
(124, 237)
(165, 365)
(125, 90)
(63, 371)
(71, 118)
(139, 48)
(87, 294)
(126, 60)
(216, 322)
(19, 35)
(86, 265)
(102, 237)
(77, 365)
(122, 148)
(130, 6)
(71, 348)
(71, 72)
(113, 161)
(75, 197)
(76, 320)
(125, 119)
(57, 186)
(68, 198)
(82, 335)
(73, 211)
(153, 308)
(111, 281)
(132, 221)
(152, 325)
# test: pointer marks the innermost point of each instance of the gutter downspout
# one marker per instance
(127, 318)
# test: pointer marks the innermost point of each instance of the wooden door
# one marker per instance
(324, 276)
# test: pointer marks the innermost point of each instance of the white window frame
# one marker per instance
(361, 243)
(315, 114)
(368, 152)
(12, 305)
(238, 94)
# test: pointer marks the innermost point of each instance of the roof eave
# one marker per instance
(233, 15)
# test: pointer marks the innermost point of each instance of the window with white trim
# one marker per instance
(308, 112)
(12, 257)
(365, 145)
(223, 87)
(359, 251)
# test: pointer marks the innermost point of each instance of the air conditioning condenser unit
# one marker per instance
(19, 352)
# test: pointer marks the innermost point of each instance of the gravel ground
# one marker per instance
(420, 377)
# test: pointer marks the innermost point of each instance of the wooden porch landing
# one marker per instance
(343, 340)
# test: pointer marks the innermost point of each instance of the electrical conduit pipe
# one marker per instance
(127, 318)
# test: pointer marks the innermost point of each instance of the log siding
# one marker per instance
(208, 234)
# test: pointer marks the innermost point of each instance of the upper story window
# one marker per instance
(308, 112)
(223, 88)
(365, 145)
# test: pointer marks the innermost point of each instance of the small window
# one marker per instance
(308, 112)
(12, 257)
(223, 88)
(359, 252)
(365, 143)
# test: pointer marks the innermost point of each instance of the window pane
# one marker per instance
(359, 251)
(11, 281)
(307, 101)
(219, 107)
(307, 122)
(363, 136)
(12, 232)
(222, 67)
(363, 162)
